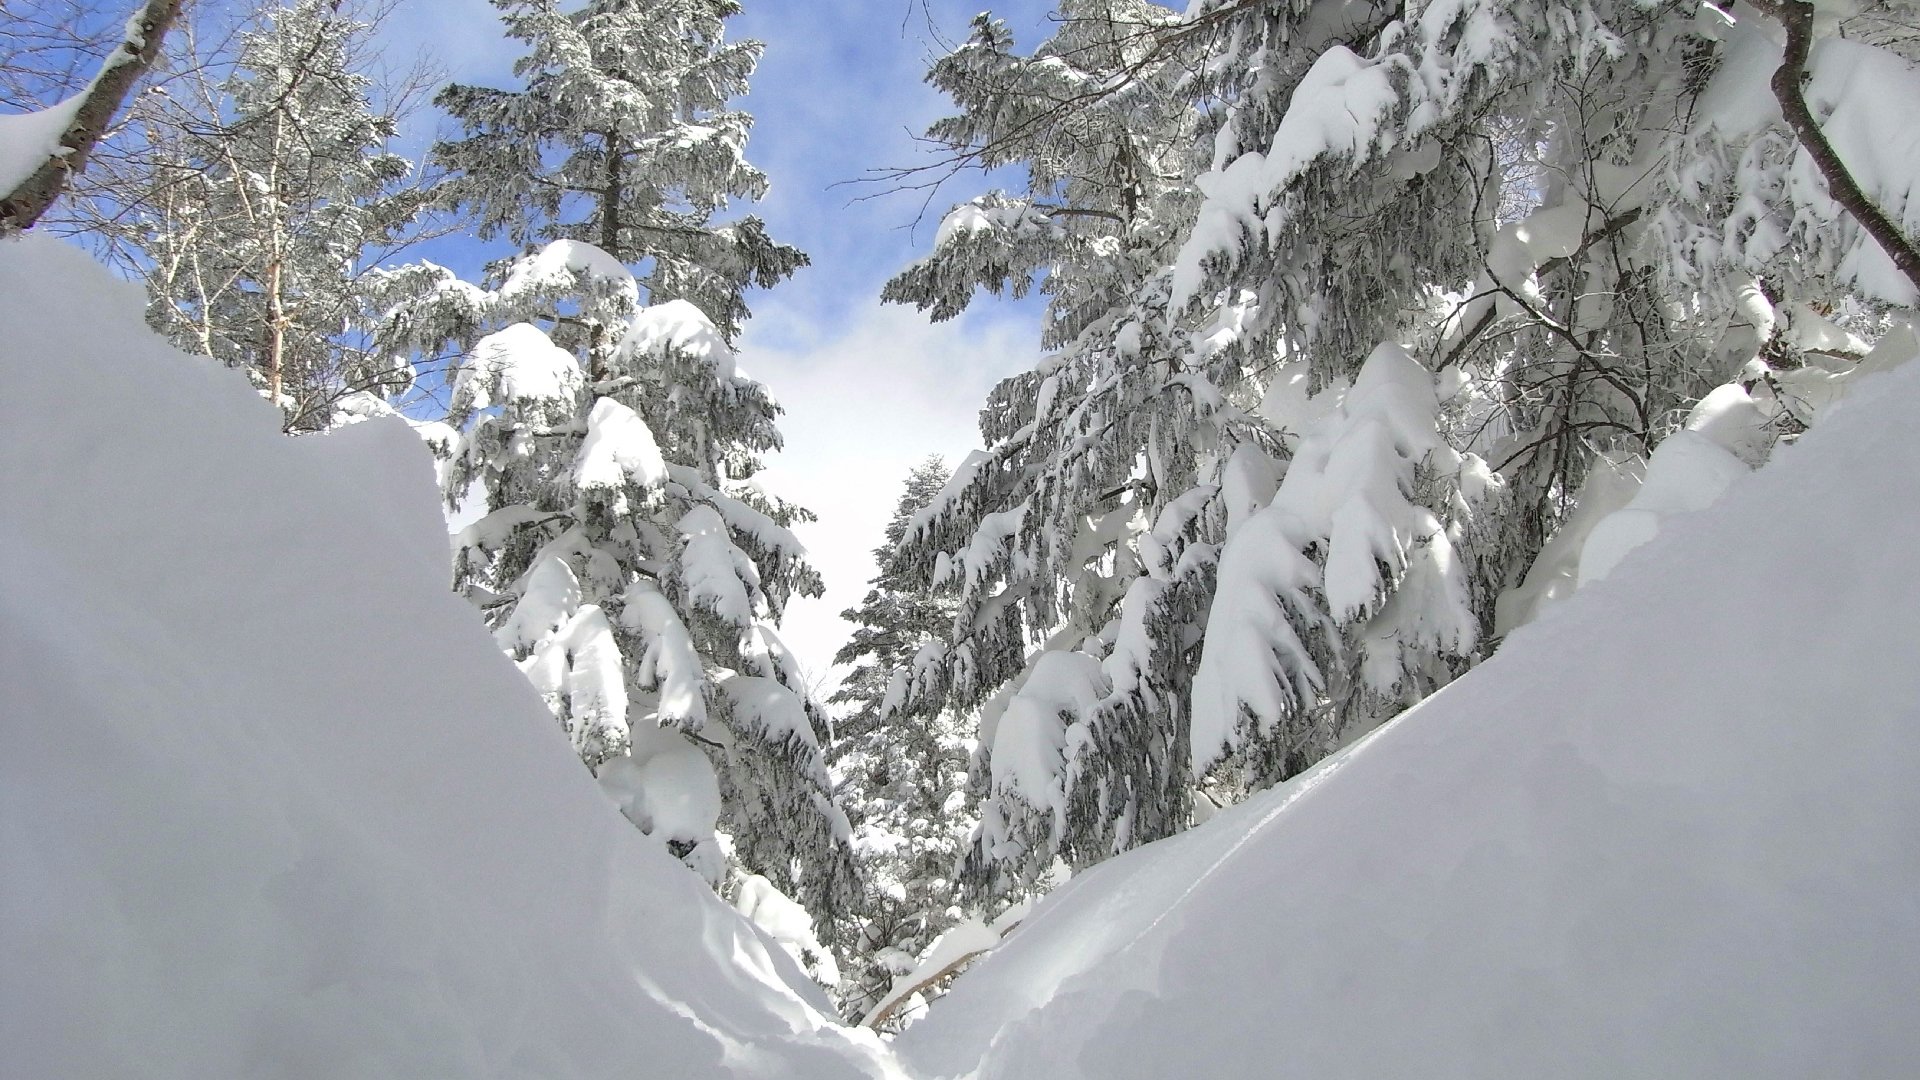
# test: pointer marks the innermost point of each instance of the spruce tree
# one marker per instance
(1349, 301)
(620, 135)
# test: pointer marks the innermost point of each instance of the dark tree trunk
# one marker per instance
(1797, 17)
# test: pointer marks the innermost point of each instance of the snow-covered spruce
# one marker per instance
(626, 555)
(620, 134)
(1210, 539)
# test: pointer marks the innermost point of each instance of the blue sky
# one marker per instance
(869, 389)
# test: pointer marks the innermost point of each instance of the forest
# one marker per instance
(1310, 538)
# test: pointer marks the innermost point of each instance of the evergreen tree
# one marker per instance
(621, 136)
(263, 200)
(628, 558)
(1334, 354)
(902, 778)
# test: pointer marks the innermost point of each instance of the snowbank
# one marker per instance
(1672, 829)
(272, 803)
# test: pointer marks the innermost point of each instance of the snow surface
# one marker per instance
(1670, 829)
(272, 803)
(518, 363)
(28, 139)
(619, 450)
(678, 326)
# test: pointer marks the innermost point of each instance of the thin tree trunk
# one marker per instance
(276, 270)
(276, 332)
(1797, 17)
(23, 206)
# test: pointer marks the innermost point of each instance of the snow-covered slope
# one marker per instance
(271, 801)
(1672, 829)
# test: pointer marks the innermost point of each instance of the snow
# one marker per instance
(272, 803)
(719, 577)
(1254, 664)
(1688, 471)
(1030, 741)
(669, 662)
(579, 665)
(1668, 830)
(1339, 109)
(1861, 95)
(549, 595)
(667, 788)
(518, 363)
(1612, 480)
(680, 327)
(619, 450)
(28, 139)
(963, 940)
(786, 922)
(558, 268)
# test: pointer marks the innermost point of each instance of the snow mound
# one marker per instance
(272, 804)
(1669, 830)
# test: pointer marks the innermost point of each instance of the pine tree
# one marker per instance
(628, 559)
(264, 201)
(902, 778)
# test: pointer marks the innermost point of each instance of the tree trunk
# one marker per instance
(1797, 17)
(23, 206)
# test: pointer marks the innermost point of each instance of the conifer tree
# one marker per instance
(902, 778)
(628, 558)
(1348, 303)
(621, 136)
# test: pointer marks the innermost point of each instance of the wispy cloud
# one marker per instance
(867, 399)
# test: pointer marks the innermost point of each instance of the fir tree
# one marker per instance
(902, 778)
(628, 558)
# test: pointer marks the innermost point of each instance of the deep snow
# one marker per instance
(1671, 829)
(272, 803)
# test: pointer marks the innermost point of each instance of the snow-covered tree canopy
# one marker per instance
(627, 557)
(1348, 302)
(621, 135)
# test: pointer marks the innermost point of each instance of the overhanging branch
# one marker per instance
(1789, 88)
(23, 206)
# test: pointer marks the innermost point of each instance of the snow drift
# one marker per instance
(271, 801)
(1671, 829)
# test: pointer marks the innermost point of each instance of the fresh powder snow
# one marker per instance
(275, 805)
(1667, 831)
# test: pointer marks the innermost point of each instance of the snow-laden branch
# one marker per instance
(88, 115)
(1788, 86)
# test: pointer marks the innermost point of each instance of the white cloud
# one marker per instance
(866, 401)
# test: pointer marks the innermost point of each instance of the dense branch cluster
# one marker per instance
(1362, 315)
